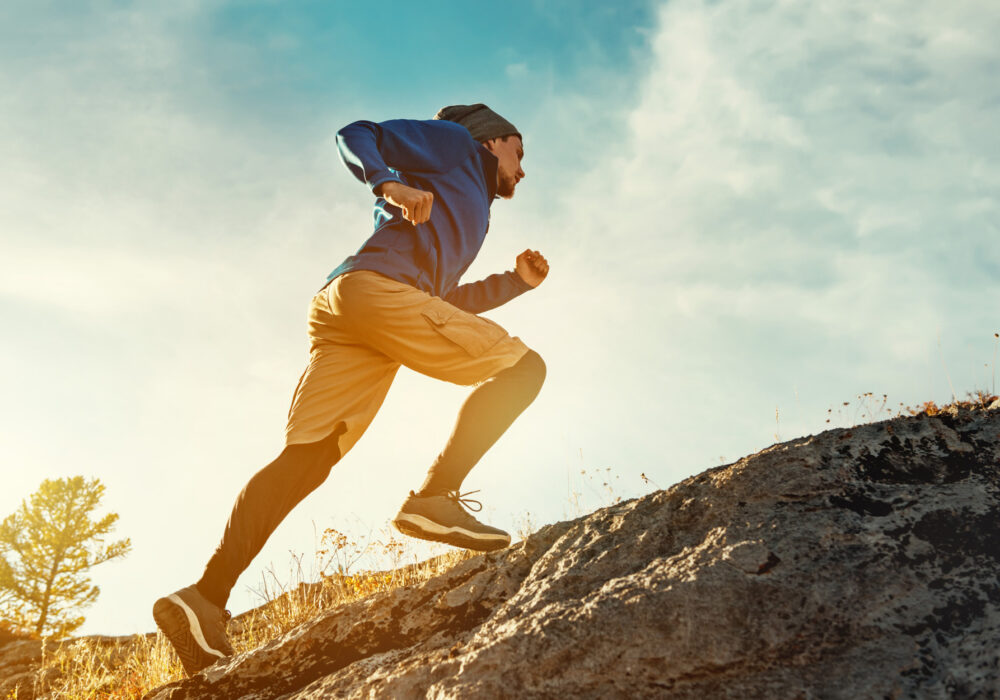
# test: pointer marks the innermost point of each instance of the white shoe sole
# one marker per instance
(183, 630)
(426, 529)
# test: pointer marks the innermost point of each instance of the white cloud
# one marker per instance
(516, 70)
(775, 136)
(804, 203)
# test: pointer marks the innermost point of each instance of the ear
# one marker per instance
(490, 145)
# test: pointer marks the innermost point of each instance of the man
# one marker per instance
(395, 302)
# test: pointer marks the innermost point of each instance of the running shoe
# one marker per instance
(195, 627)
(444, 518)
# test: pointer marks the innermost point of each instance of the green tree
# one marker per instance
(46, 546)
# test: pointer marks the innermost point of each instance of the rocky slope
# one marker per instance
(859, 563)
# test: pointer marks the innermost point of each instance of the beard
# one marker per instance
(505, 184)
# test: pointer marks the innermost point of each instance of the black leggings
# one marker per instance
(277, 488)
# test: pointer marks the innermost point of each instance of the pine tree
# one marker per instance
(46, 546)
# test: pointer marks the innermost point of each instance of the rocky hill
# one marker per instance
(859, 563)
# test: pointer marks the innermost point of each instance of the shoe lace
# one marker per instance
(460, 498)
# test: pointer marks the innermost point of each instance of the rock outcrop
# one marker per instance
(859, 563)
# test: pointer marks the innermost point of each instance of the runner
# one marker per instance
(397, 301)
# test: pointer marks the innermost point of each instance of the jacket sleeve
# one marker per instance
(496, 290)
(375, 152)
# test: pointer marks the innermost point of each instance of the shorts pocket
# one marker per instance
(472, 333)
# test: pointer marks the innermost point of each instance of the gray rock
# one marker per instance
(858, 563)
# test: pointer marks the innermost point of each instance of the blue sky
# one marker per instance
(754, 213)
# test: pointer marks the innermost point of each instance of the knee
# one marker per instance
(326, 452)
(527, 374)
(533, 367)
(536, 363)
(315, 459)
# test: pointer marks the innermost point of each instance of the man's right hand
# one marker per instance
(415, 204)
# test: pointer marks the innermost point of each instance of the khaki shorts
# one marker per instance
(362, 327)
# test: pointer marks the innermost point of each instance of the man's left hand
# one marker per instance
(532, 267)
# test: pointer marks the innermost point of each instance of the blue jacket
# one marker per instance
(440, 157)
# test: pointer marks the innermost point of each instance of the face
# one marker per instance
(509, 170)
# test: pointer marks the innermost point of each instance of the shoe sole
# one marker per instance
(180, 625)
(424, 529)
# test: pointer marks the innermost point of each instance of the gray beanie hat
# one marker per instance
(481, 121)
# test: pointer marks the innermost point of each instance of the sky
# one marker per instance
(754, 212)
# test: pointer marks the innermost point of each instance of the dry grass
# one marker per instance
(870, 409)
(106, 668)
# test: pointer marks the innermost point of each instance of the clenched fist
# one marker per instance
(532, 267)
(415, 204)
